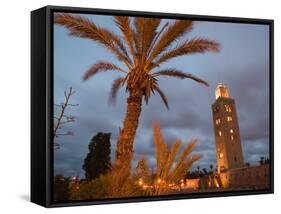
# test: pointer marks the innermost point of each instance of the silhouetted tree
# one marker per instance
(261, 160)
(97, 161)
(61, 188)
(205, 171)
(247, 164)
(211, 167)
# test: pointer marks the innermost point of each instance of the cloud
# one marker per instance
(242, 64)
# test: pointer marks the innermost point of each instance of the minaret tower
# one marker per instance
(227, 136)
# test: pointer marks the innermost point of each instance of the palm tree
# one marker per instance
(171, 166)
(144, 44)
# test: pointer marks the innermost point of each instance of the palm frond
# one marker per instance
(197, 45)
(188, 149)
(161, 149)
(181, 170)
(124, 24)
(162, 95)
(178, 74)
(138, 36)
(83, 27)
(196, 157)
(137, 47)
(171, 158)
(117, 83)
(159, 33)
(100, 67)
(147, 90)
(173, 32)
(145, 29)
(149, 33)
(117, 41)
(148, 86)
(166, 158)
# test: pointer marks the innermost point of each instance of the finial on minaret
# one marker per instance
(221, 91)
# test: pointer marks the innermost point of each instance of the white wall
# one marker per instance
(15, 99)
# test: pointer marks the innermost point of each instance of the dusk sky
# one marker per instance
(242, 64)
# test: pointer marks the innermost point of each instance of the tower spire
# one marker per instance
(221, 91)
(227, 135)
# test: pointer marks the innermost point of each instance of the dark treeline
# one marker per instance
(96, 163)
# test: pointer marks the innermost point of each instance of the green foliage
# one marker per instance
(118, 184)
(61, 188)
(109, 185)
(97, 161)
(88, 190)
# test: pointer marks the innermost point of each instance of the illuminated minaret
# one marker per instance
(227, 136)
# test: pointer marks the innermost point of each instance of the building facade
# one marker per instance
(252, 177)
(229, 153)
(231, 173)
(231, 170)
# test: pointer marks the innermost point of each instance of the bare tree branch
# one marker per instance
(62, 118)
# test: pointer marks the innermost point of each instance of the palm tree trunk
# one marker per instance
(124, 151)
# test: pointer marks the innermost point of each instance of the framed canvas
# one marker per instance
(134, 106)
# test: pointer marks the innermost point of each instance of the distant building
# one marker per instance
(252, 177)
(227, 135)
(232, 172)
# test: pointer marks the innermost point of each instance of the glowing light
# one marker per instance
(218, 121)
(221, 91)
(227, 108)
(229, 118)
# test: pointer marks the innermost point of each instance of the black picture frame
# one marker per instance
(42, 103)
